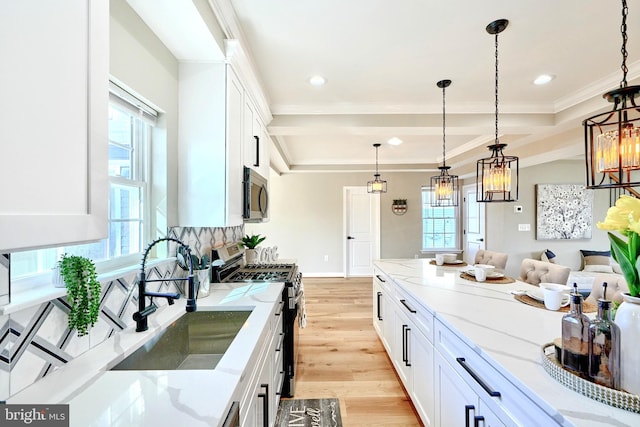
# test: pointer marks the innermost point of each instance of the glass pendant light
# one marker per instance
(445, 186)
(612, 139)
(497, 175)
(377, 185)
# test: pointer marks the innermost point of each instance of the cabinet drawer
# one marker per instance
(382, 280)
(416, 312)
(500, 395)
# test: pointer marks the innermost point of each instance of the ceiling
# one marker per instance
(383, 58)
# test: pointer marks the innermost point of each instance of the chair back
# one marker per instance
(616, 286)
(535, 272)
(497, 259)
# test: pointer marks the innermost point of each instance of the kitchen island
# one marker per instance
(469, 352)
(100, 397)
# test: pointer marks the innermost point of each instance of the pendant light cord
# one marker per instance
(444, 158)
(496, 91)
(623, 30)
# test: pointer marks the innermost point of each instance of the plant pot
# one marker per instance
(203, 283)
(628, 320)
(251, 256)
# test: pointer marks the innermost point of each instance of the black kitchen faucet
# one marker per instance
(143, 310)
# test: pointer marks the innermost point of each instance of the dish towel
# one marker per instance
(302, 310)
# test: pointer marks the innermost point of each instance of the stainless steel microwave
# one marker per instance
(256, 196)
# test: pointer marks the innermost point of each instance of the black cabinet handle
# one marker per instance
(477, 419)
(350, 237)
(404, 344)
(265, 404)
(406, 333)
(407, 306)
(475, 376)
(467, 409)
(257, 163)
(378, 302)
(380, 278)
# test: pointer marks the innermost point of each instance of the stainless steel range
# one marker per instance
(228, 265)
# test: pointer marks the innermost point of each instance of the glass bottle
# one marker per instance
(604, 348)
(575, 337)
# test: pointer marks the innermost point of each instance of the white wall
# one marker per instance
(307, 214)
(502, 222)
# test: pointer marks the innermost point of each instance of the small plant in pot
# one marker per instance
(251, 242)
(83, 291)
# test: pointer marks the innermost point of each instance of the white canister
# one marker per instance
(628, 320)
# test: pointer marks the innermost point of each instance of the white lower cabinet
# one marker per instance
(456, 403)
(410, 349)
(497, 401)
(449, 383)
(259, 404)
(382, 311)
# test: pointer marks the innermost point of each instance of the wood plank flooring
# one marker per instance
(341, 356)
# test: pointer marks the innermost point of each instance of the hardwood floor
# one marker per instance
(341, 356)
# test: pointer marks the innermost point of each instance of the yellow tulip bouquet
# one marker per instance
(624, 218)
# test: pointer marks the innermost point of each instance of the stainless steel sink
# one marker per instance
(197, 340)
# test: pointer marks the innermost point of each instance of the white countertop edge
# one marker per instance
(85, 377)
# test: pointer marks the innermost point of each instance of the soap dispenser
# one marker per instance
(604, 346)
(575, 337)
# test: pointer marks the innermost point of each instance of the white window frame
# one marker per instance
(426, 193)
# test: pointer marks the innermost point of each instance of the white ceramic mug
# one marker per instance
(439, 259)
(480, 274)
(555, 295)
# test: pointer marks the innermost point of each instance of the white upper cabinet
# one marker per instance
(210, 146)
(53, 122)
(255, 140)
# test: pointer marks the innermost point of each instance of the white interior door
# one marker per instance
(474, 235)
(362, 231)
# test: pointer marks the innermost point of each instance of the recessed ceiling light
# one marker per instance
(543, 79)
(394, 141)
(317, 81)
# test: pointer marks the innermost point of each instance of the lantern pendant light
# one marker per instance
(377, 185)
(445, 186)
(497, 175)
(612, 139)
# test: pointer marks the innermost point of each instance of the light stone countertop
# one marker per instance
(503, 331)
(99, 397)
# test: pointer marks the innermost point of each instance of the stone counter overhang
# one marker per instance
(505, 332)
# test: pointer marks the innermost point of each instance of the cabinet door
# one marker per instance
(210, 161)
(234, 149)
(488, 418)
(422, 392)
(456, 404)
(382, 314)
(402, 346)
(53, 122)
(263, 142)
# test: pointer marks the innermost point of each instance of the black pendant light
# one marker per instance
(497, 176)
(377, 185)
(612, 139)
(445, 186)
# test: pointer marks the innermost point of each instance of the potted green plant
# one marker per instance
(83, 291)
(251, 242)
